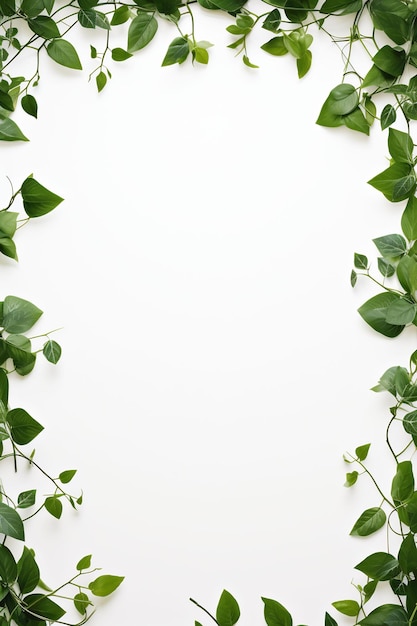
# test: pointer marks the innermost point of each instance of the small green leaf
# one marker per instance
(29, 105)
(341, 101)
(81, 602)
(52, 351)
(105, 585)
(388, 116)
(272, 21)
(387, 270)
(353, 278)
(118, 54)
(66, 476)
(84, 563)
(227, 612)
(329, 620)
(120, 16)
(360, 261)
(177, 52)
(64, 53)
(275, 614)
(347, 607)
(362, 451)
(275, 46)
(54, 506)
(37, 200)
(351, 478)
(391, 246)
(26, 499)
(369, 522)
(304, 64)
(101, 81)
(248, 63)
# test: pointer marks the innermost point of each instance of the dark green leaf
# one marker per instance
(407, 555)
(388, 116)
(9, 130)
(87, 18)
(387, 270)
(390, 60)
(28, 571)
(408, 220)
(118, 54)
(374, 312)
(66, 476)
(44, 26)
(43, 606)
(37, 200)
(387, 180)
(407, 273)
(11, 523)
(272, 21)
(369, 522)
(101, 81)
(52, 351)
(29, 105)
(177, 52)
(329, 620)
(8, 566)
(227, 612)
(22, 426)
(360, 261)
(400, 146)
(275, 614)
(64, 53)
(386, 615)
(403, 483)
(26, 499)
(379, 566)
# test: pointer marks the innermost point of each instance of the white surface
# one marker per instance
(214, 366)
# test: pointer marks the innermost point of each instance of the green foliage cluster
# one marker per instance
(384, 92)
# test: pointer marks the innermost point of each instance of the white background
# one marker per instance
(214, 367)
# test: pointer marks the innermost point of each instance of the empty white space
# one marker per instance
(214, 366)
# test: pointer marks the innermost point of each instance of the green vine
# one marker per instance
(383, 93)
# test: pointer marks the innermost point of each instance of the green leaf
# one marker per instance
(387, 270)
(37, 200)
(66, 476)
(11, 523)
(81, 602)
(231, 6)
(141, 31)
(272, 21)
(8, 566)
(400, 146)
(356, 121)
(339, 6)
(408, 220)
(120, 16)
(18, 348)
(28, 572)
(407, 555)
(304, 64)
(379, 566)
(23, 427)
(402, 486)
(390, 61)
(84, 563)
(388, 116)
(43, 606)
(29, 105)
(101, 81)
(410, 423)
(202, 56)
(177, 52)
(87, 18)
(4, 389)
(26, 499)
(347, 607)
(351, 478)
(362, 451)
(360, 261)
(54, 506)
(401, 312)
(44, 26)
(52, 351)
(369, 522)
(386, 615)
(247, 62)
(227, 612)
(369, 589)
(329, 620)
(275, 614)
(374, 313)
(8, 247)
(9, 130)
(387, 180)
(275, 46)
(407, 273)
(19, 315)
(118, 54)
(353, 278)
(105, 585)
(8, 222)
(391, 246)
(342, 100)
(64, 53)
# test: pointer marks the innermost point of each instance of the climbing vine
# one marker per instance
(380, 91)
